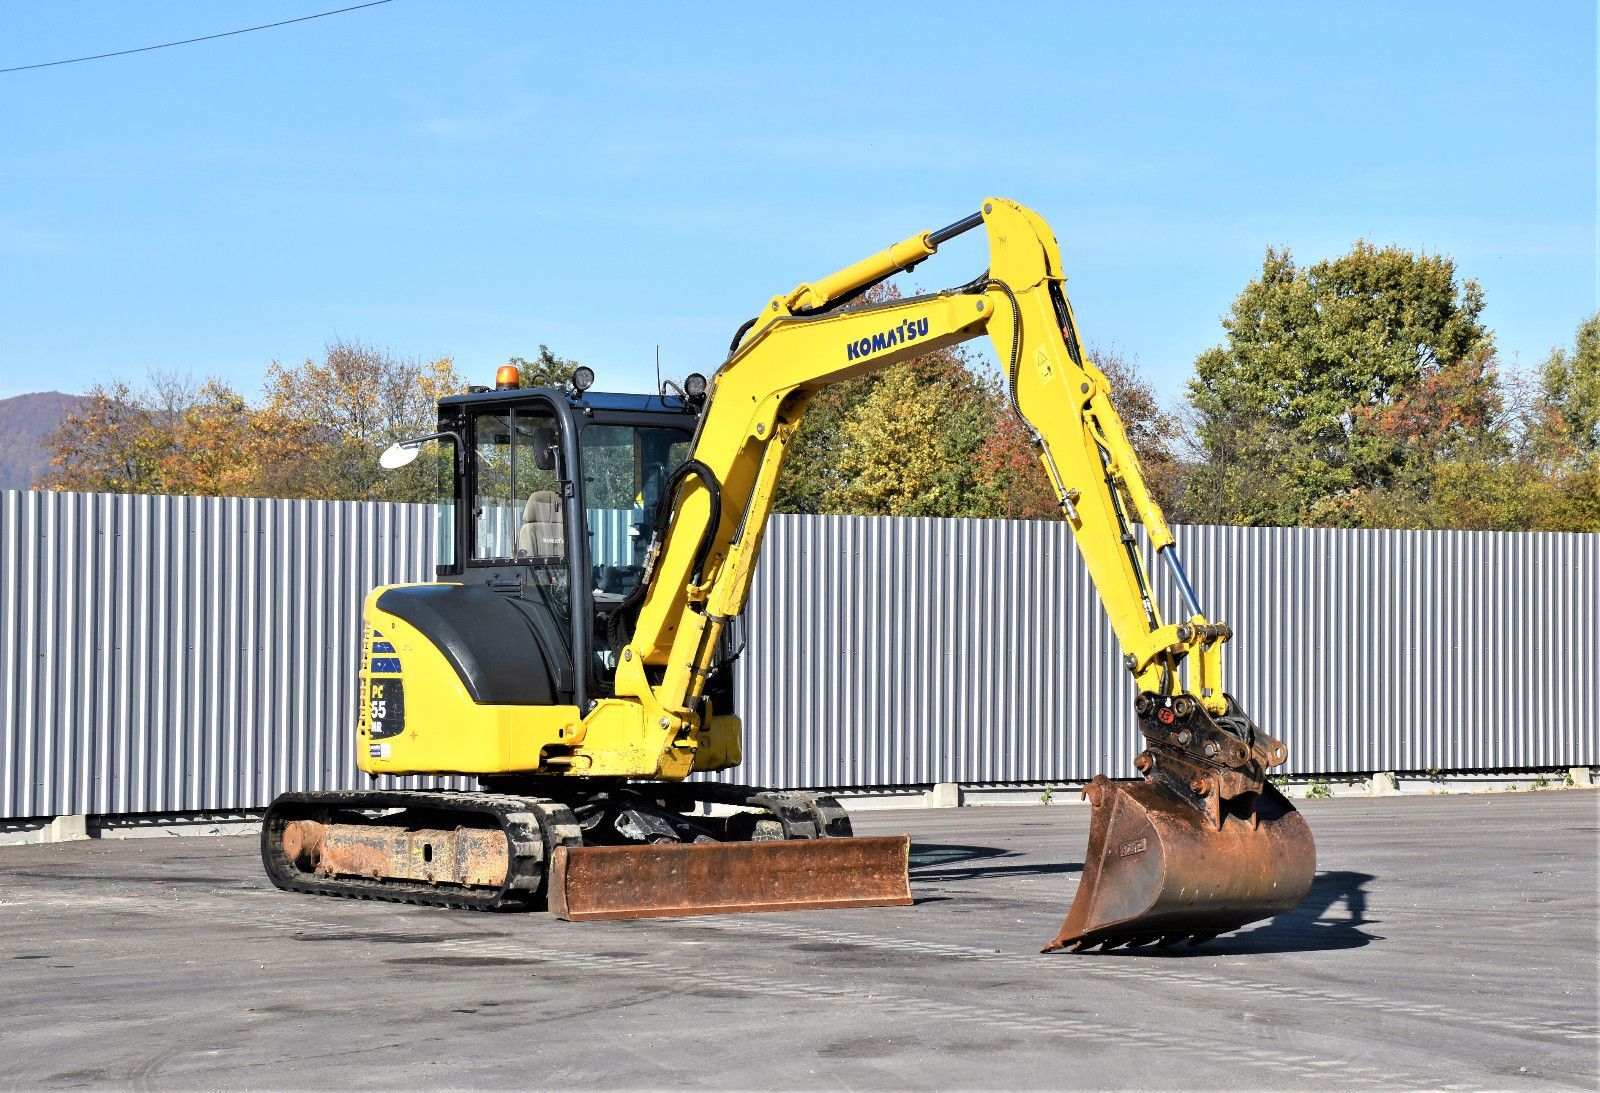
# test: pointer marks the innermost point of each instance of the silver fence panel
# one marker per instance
(162, 654)
(889, 651)
(166, 654)
(1405, 650)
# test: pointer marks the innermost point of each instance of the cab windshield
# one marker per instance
(625, 468)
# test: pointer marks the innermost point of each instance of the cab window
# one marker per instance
(517, 510)
(625, 470)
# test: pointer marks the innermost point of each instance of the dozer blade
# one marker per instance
(1158, 868)
(670, 879)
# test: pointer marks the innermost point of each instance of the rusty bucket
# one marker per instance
(1162, 868)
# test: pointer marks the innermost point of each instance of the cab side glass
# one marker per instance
(516, 510)
(444, 505)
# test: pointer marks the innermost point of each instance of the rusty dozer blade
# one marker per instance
(670, 879)
(1204, 845)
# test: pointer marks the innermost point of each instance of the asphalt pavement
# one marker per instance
(1449, 942)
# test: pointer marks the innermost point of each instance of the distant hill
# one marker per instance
(25, 422)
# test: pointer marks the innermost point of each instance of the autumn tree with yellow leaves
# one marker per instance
(316, 432)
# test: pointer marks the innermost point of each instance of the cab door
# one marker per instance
(521, 536)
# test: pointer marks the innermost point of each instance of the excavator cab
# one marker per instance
(548, 501)
(551, 504)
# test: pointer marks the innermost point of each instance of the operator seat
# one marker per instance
(542, 534)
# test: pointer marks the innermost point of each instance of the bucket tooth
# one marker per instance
(1159, 867)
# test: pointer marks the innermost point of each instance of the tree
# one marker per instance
(105, 446)
(1470, 449)
(1010, 478)
(211, 445)
(908, 447)
(936, 436)
(545, 369)
(1152, 431)
(1564, 432)
(316, 433)
(167, 437)
(1448, 456)
(810, 474)
(811, 477)
(323, 424)
(1013, 478)
(1309, 353)
(1568, 402)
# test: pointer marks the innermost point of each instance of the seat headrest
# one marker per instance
(542, 507)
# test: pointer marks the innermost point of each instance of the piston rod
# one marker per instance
(1169, 554)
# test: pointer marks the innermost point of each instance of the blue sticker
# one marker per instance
(386, 664)
(382, 647)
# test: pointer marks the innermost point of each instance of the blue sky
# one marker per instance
(472, 179)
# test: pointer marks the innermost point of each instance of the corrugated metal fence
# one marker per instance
(888, 651)
(163, 654)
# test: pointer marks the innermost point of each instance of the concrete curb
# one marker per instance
(57, 829)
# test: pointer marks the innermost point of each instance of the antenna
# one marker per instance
(658, 368)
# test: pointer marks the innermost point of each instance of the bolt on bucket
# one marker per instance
(1162, 867)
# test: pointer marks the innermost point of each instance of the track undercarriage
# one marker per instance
(622, 851)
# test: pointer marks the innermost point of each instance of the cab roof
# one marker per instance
(597, 400)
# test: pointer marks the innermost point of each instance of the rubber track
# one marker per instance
(533, 827)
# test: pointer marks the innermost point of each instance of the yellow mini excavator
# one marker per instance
(575, 654)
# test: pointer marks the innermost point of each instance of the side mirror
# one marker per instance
(399, 455)
(405, 452)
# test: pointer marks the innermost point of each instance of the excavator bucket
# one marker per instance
(1161, 868)
(670, 879)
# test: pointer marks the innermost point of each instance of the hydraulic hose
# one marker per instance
(669, 497)
(665, 507)
(738, 335)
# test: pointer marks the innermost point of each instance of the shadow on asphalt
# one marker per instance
(954, 861)
(1330, 917)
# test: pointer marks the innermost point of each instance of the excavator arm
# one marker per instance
(804, 341)
(1204, 843)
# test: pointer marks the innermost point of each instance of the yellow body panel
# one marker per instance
(443, 731)
(440, 730)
